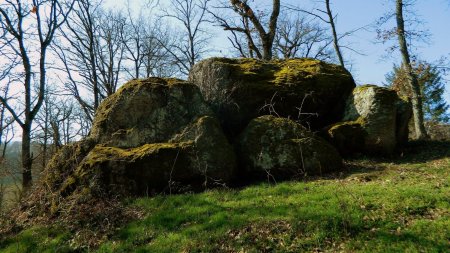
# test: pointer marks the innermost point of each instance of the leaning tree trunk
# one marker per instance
(416, 98)
(337, 48)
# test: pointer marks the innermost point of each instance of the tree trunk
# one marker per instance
(333, 30)
(92, 58)
(267, 49)
(56, 136)
(267, 38)
(27, 160)
(45, 141)
(412, 78)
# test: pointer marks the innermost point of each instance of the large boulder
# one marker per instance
(283, 149)
(307, 90)
(200, 157)
(152, 135)
(147, 111)
(375, 122)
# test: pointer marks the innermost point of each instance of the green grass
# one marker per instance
(38, 239)
(10, 191)
(402, 205)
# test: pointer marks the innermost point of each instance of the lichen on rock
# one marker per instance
(374, 122)
(348, 137)
(238, 90)
(147, 111)
(152, 136)
(281, 148)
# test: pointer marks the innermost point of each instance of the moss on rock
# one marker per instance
(382, 117)
(281, 148)
(242, 89)
(151, 136)
(147, 111)
(64, 162)
(136, 170)
(348, 137)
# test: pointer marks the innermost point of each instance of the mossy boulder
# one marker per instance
(63, 164)
(307, 90)
(147, 111)
(348, 137)
(283, 149)
(375, 122)
(152, 136)
(197, 158)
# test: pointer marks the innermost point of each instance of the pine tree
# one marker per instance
(432, 88)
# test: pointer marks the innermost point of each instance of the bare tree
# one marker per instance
(326, 15)
(110, 51)
(57, 124)
(250, 21)
(189, 47)
(246, 46)
(46, 17)
(143, 40)
(42, 121)
(299, 37)
(79, 58)
(92, 52)
(158, 61)
(6, 78)
(331, 19)
(133, 40)
(6, 125)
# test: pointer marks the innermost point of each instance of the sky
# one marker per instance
(373, 61)
(371, 66)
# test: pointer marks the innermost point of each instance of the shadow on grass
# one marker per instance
(288, 217)
(405, 242)
(206, 222)
(317, 214)
(424, 151)
(413, 152)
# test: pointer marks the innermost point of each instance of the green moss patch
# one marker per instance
(238, 90)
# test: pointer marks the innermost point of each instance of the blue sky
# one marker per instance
(372, 66)
(376, 62)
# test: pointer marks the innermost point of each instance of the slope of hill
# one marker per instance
(397, 205)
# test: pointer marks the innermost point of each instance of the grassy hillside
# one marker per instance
(396, 205)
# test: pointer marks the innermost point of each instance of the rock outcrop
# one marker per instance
(168, 135)
(238, 90)
(280, 148)
(375, 122)
(152, 135)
